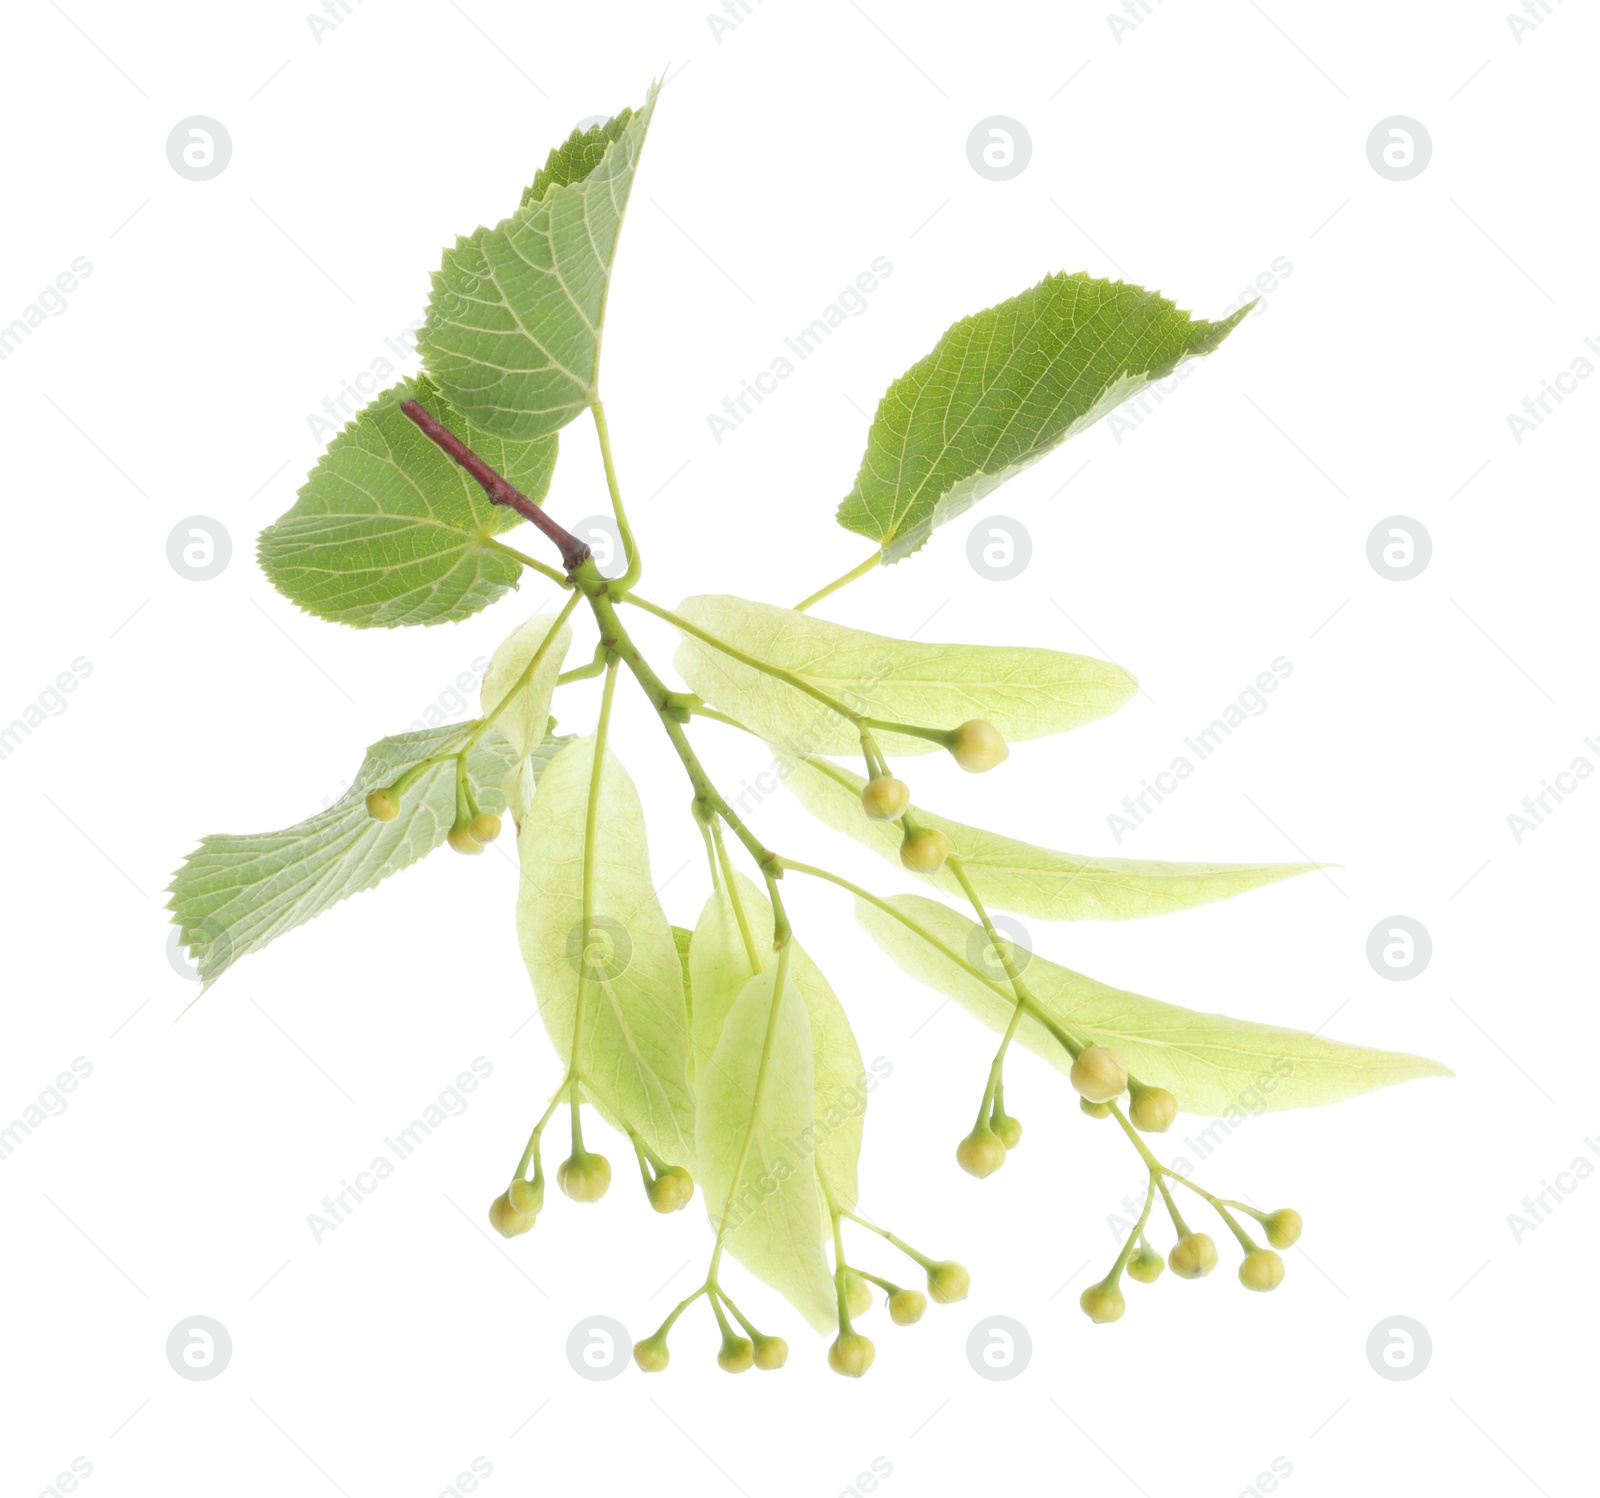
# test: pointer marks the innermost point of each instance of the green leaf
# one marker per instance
(235, 893)
(525, 718)
(1024, 691)
(387, 530)
(517, 312)
(681, 937)
(1016, 876)
(720, 967)
(771, 1206)
(633, 1050)
(1213, 1065)
(1004, 387)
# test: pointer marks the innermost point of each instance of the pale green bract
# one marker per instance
(1004, 387)
(719, 968)
(769, 1211)
(517, 312)
(1016, 876)
(633, 1052)
(1024, 691)
(388, 531)
(1214, 1065)
(235, 893)
(525, 717)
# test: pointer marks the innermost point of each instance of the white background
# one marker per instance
(1229, 528)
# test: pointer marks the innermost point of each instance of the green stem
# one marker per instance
(519, 556)
(840, 582)
(484, 724)
(923, 1260)
(583, 673)
(603, 431)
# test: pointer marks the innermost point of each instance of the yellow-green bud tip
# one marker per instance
(1193, 1257)
(1262, 1270)
(906, 1307)
(671, 1190)
(651, 1354)
(977, 746)
(857, 1294)
(585, 1178)
(506, 1220)
(736, 1355)
(1007, 1130)
(485, 827)
(1103, 1303)
(771, 1352)
(851, 1354)
(1153, 1109)
(1099, 1074)
(925, 850)
(948, 1282)
(383, 805)
(1095, 1110)
(1283, 1227)
(1146, 1266)
(885, 798)
(461, 839)
(981, 1153)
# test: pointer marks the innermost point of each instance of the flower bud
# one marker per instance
(771, 1352)
(851, 1354)
(651, 1354)
(506, 1220)
(1103, 1303)
(584, 1177)
(948, 1282)
(383, 805)
(485, 826)
(857, 1294)
(1262, 1270)
(1007, 1130)
(906, 1307)
(925, 850)
(527, 1197)
(1153, 1110)
(1193, 1256)
(1099, 1074)
(1094, 1110)
(1146, 1265)
(1282, 1227)
(981, 1153)
(736, 1355)
(884, 798)
(461, 839)
(977, 746)
(671, 1190)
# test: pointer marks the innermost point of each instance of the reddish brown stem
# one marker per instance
(574, 553)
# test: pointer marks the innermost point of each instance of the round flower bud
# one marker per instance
(1146, 1266)
(771, 1352)
(651, 1354)
(948, 1282)
(1103, 1303)
(736, 1355)
(977, 746)
(1153, 1110)
(925, 850)
(851, 1354)
(906, 1307)
(485, 826)
(1007, 1129)
(1193, 1256)
(1262, 1270)
(1282, 1227)
(981, 1153)
(1099, 1074)
(462, 840)
(584, 1177)
(506, 1220)
(1095, 1110)
(884, 798)
(671, 1190)
(383, 806)
(857, 1294)
(527, 1197)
